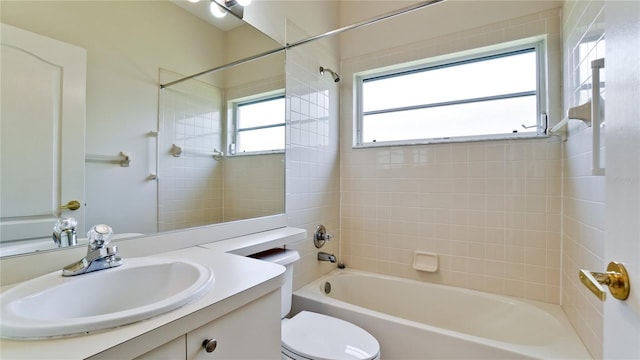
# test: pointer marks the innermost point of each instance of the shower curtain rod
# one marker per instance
(226, 66)
(374, 20)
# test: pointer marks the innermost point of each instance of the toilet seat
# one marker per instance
(316, 336)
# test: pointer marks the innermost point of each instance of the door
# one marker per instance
(622, 112)
(42, 133)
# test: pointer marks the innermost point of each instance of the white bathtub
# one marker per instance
(416, 320)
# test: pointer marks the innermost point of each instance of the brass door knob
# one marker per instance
(616, 278)
(71, 205)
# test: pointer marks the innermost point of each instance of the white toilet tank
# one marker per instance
(285, 258)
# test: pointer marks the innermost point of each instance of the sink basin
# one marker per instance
(53, 305)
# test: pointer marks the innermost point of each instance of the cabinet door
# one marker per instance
(249, 332)
(173, 350)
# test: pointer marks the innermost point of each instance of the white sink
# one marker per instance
(53, 305)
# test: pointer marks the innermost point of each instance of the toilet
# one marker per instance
(309, 335)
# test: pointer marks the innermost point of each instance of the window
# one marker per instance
(491, 95)
(259, 125)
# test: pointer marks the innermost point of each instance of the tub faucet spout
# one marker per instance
(323, 256)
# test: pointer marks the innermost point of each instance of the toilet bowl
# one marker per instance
(309, 335)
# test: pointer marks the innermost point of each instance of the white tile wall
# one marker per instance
(190, 186)
(312, 160)
(491, 210)
(584, 194)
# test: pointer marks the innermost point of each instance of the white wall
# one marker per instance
(448, 18)
(254, 186)
(314, 16)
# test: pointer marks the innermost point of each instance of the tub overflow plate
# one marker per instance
(327, 287)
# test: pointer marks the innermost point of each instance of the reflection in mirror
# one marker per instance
(204, 180)
(127, 114)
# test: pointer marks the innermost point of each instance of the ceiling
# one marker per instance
(201, 10)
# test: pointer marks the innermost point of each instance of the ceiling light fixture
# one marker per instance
(217, 9)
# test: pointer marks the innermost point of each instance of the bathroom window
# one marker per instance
(493, 94)
(258, 125)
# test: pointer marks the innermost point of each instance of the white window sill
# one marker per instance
(254, 153)
(458, 139)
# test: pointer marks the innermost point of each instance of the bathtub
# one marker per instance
(416, 320)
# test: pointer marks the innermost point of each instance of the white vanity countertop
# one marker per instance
(238, 280)
(255, 243)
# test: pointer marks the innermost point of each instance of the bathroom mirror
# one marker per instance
(134, 178)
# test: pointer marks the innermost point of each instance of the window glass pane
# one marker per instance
(261, 113)
(468, 80)
(469, 119)
(261, 139)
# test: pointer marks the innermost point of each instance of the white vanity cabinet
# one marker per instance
(250, 332)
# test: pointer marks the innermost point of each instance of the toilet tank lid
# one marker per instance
(278, 256)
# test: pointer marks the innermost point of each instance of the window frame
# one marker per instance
(235, 104)
(537, 44)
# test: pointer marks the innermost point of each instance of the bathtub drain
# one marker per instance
(327, 287)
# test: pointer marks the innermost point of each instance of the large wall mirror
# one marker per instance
(150, 160)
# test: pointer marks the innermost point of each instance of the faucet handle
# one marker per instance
(64, 232)
(321, 236)
(99, 236)
(65, 224)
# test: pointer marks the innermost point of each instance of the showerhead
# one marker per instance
(335, 75)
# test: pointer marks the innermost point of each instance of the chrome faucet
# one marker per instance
(64, 232)
(99, 255)
(323, 256)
